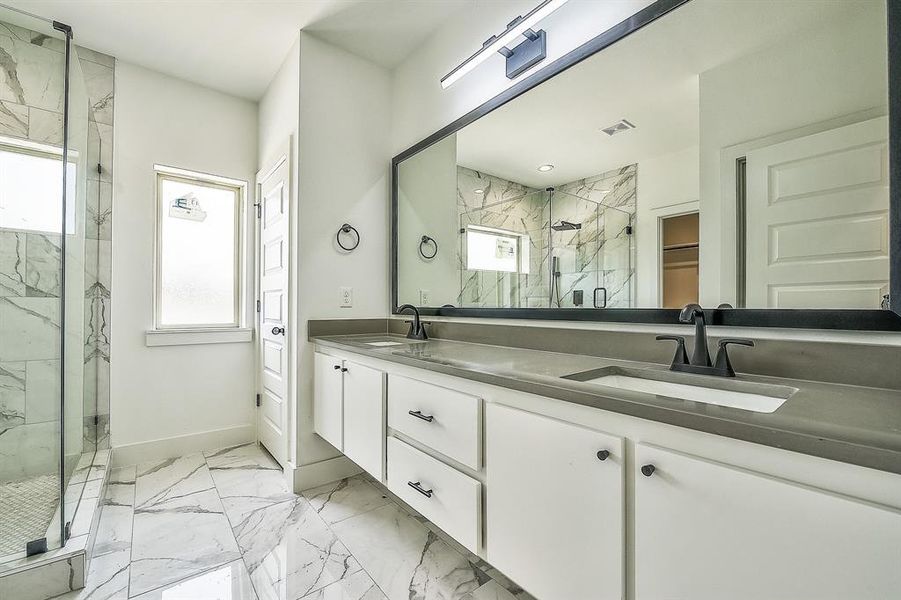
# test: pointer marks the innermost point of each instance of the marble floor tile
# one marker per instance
(490, 591)
(290, 551)
(358, 586)
(172, 478)
(114, 530)
(228, 582)
(248, 471)
(180, 534)
(344, 499)
(244, 455)
(107, 579)
(405, 559)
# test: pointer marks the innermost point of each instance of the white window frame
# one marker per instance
(181, 334)
(522, 251)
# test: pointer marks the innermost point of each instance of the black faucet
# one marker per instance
(700, 357)
(417, 328)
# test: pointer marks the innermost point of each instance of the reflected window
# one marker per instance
(496, 250)
(31, 197)
(198, 278)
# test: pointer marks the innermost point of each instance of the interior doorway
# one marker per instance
(679, 277)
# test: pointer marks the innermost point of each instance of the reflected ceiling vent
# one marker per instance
(619, 127)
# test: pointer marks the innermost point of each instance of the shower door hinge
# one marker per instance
(259, 206)
(99, 169)
(886, 302)
(258, 400)
(258, 306)
(68, 531)
(96, 421)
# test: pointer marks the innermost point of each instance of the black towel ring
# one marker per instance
(427, 240)
(347, 228)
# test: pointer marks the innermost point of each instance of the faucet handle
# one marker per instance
(681, 356)
(722, 361)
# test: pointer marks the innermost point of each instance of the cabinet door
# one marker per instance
(705, 530)
(327, 398)
(554, 509)
(364, 417)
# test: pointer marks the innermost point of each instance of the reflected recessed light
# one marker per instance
(546, 168)
(478, 191)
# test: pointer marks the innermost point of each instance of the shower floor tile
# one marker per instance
(26, 509)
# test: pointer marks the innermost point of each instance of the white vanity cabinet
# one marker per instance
(554, 505)
(328, 399)
(708, 531)
(349, 410)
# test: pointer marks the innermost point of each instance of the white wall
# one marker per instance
(427, 205)
(834, 71)
(667, 185)
(344, 161)
(171, 391)
(420, 106)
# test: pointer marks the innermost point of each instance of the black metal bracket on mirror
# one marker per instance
(886, 319)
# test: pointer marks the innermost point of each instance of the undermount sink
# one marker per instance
(384, 341)
(755, 397)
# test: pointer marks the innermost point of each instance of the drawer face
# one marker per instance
(452, 500)
(445, 420)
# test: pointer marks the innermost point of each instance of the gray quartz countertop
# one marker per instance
(857, 425)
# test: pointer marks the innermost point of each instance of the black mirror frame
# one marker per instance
(861, 320)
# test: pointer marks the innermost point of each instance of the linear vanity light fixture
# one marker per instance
(528, 53)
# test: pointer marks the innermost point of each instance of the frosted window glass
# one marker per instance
(31, 195)
(487, 251)
(197, 254)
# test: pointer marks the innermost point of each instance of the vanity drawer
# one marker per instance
(448, 498)
(444, 419)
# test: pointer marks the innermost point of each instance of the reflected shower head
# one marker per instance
(566, 226)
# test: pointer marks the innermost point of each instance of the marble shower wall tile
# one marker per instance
(31, 75)
(12, 263)
(43, 264)
(29, 328)
(12, 395)
(42, 391)
(13, 119)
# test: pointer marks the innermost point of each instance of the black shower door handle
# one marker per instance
(595, 297)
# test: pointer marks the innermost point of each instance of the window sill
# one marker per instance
(187, 337)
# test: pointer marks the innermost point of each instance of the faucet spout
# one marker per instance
(417, 329)
(700, 356)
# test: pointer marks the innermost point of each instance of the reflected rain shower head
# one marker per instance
(566, 226)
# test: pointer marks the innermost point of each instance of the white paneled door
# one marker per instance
(817, 220)
(272, 316)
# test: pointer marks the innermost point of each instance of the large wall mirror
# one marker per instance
(729, 153)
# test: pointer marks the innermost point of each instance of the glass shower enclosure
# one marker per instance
(47, 405)
(547, 249)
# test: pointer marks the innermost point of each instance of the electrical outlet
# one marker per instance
(347, 297)
(424, 298)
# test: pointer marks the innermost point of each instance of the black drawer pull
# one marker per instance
(337, 367)
(418, 414)
(415, 485)
(603, 454)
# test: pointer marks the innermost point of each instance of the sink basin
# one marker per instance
(755, 397)
(383, 341)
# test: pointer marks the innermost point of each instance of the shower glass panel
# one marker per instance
(591, 247)
(42, 278)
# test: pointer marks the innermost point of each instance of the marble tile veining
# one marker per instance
(405, 559)
(344, 499)
(227, 582)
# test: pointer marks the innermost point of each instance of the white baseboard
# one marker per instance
(320, 473)
(173, 447)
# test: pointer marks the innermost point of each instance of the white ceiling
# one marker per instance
(237, 46)
(650, 78)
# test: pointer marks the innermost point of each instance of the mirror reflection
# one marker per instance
(730, 152)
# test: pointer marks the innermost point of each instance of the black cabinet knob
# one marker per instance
(603, 454)
(648, 470)
(343, 370)
(337, 367)
(278, 331)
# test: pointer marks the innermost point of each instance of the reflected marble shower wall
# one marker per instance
(601, 254)
(597, 255)
(31, 103)
(490, 201)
